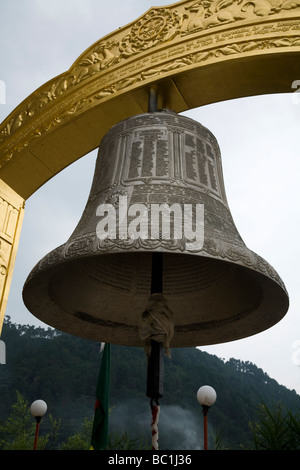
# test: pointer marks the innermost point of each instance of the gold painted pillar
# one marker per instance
(11, 218)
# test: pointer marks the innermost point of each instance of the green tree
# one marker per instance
(17, 432)
(276, 429)
(80, 440)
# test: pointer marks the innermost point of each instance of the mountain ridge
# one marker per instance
(63, 370)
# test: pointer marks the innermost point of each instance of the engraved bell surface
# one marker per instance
(158, 187)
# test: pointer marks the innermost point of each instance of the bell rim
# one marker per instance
(273, 293)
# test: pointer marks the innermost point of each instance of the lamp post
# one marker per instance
(38, 409)
(206, 396)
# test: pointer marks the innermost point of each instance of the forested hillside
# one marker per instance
(63, 370)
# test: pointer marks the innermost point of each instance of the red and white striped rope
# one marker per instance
(155, 409)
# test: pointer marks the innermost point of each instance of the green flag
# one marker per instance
(100, 425)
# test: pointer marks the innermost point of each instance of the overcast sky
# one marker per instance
(259, 140)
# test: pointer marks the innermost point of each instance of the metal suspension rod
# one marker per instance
(152, 100)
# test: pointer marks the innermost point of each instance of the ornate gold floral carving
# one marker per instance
(209, 13)
(104, 55)
(151, 30)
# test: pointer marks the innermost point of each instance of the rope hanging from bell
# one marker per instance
(156, 323)
(155, 410)
(156, 331)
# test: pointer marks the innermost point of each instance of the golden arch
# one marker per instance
(194, 53)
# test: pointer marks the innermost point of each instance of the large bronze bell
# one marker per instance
(97, 285)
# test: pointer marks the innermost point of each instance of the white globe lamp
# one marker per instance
(206, 396)
(38, 409)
